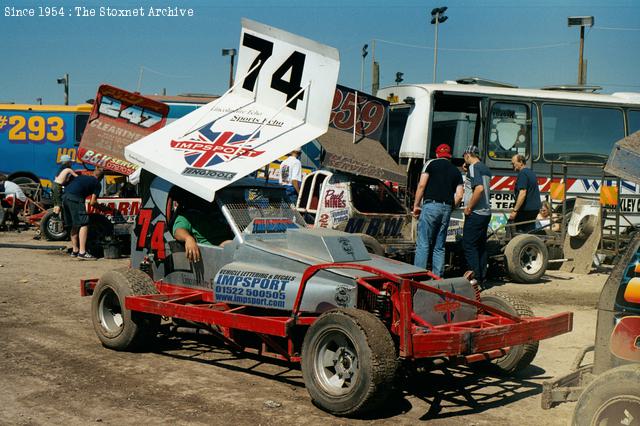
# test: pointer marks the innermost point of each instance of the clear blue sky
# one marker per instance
(481, 38)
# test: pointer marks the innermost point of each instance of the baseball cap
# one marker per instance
(472, 149)
(443, 150)
(65, 158)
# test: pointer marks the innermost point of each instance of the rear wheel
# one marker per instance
(519, 357)
(348, 362)
(613, 398)
(527, 258)
(52, 227)
(117, 327)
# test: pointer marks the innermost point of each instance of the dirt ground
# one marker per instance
(53, 369)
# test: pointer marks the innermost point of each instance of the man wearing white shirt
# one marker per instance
(11, 193)
(291, 175)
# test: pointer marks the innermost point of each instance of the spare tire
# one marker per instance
(52, 227)
(527, 258)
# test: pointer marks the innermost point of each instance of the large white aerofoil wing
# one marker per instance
(281, 100)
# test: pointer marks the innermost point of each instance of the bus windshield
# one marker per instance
(455, 123)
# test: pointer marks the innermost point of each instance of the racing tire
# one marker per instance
(519, 357)
(349, 362)
(527, 258)
(52, 228)
(372, 245)
(117, 327)
(612, 398)
(100, 229)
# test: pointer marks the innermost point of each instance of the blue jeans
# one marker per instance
(291, 196)
(474, 244)
(432, 235)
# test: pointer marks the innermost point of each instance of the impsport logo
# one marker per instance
(204, 148)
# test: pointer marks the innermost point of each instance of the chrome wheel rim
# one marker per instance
(110, 312)
(531, 259)
(620, 410)
(336, 365)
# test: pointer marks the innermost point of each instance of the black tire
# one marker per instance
(27, 184)
(117, 327)
(527, 258)
(52, 228)
(612, 398)
(100, 229)
(372, 245)
(520, 356)
(363, 352)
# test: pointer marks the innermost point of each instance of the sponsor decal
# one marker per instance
(120, 209)
(108, 162)
(343, 296)
(261, 226)
(339, 216)
(324, 220)
(334, 199)
(205, 148)
(346, 246)
(252, 288)
(375, 227)
(211, 174)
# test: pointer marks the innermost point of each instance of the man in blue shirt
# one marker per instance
(527, 194)
(477, 213)
(75, 213)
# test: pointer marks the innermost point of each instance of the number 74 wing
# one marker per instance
(280, 101)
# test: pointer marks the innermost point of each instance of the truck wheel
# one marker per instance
(520, 356)
(372, 245)
(613, 398)
(117, 327)
(349, 362)
(52, 228)
(527, 258)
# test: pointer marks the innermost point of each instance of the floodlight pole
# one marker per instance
(232, 54)
(438, 18)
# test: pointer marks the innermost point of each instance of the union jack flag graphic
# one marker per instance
(205, 148)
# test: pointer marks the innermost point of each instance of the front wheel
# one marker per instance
(613, 398)
(117, 327)
(349, 362)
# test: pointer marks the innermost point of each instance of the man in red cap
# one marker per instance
(439, 190)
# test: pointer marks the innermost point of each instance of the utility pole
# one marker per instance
(375, 70)
(65, 81)
(438, 18)
(364, 55)
(581, 21)
(232, 54)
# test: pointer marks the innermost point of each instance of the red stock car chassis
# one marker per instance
(349, 356)
(272, 286)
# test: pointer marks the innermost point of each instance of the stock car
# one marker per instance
(311, 296)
